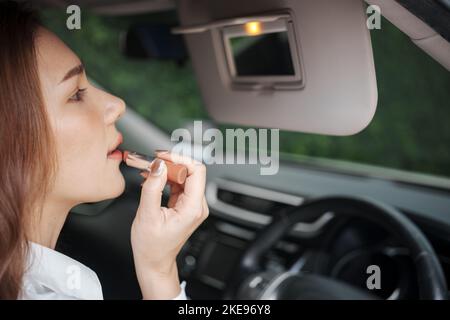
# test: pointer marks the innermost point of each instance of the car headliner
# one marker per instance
(435, 13)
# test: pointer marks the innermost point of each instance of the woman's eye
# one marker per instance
(78, 96)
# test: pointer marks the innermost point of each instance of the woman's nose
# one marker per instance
(115, 108)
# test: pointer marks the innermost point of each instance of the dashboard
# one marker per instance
(338, 248)
(242, 203)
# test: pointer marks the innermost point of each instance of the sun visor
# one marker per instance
(300, 65)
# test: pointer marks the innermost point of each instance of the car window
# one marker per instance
(410, 129)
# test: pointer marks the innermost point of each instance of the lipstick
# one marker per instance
(175, 172)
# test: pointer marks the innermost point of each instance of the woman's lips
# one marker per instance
(115, 155)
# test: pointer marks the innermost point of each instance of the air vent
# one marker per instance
(255, 206)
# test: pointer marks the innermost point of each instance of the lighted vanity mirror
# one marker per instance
(262, 54)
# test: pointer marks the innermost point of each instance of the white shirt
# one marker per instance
(51, 275)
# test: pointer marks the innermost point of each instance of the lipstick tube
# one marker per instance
(175, 172)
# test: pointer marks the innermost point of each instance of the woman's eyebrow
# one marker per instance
(79, 69)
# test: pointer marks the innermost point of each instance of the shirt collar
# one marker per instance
(49, 272)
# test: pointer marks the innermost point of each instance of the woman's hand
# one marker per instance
(158, 233)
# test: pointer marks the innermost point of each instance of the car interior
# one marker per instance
(314, 70)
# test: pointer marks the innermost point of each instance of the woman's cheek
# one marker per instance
(81, 155)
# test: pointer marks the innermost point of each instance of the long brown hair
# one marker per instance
(27, 161)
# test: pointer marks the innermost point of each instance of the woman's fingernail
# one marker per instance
(161, 151)
(157, 167)
(143, 174)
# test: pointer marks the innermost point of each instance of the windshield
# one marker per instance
(410, 129)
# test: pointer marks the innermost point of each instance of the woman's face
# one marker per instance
(83, 119)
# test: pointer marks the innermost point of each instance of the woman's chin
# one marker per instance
(107, 187)
(119, 186)
(114, 188)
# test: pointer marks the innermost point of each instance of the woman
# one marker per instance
(57, 133)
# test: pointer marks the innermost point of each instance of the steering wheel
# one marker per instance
(250, 281)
